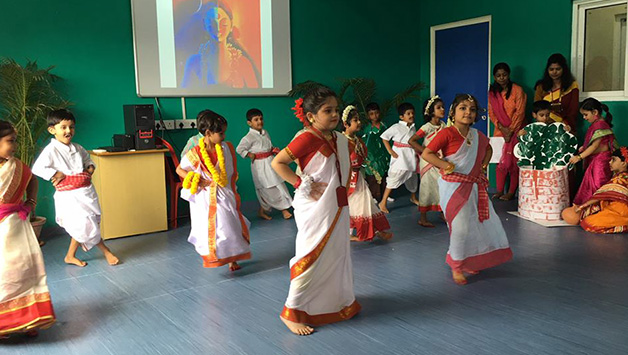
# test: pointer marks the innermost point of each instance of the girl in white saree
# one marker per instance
(477, 238)
(321, 285)
(24, 299)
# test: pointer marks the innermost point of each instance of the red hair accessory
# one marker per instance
(624, 153)
(298, 111)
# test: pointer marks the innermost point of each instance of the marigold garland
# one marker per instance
(220, 179)
(191, 182)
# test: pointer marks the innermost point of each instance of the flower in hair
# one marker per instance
(346, 111)
(624, 153)
(429, 104)
(298, 111)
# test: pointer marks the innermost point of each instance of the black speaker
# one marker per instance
(139, 121)
(125, 141)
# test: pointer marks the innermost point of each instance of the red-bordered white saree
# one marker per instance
(321, 273)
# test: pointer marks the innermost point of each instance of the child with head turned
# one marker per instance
(269, 187)
(68, 166)
(219, 233)
(606, 211)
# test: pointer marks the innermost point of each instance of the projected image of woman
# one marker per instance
(221, 60)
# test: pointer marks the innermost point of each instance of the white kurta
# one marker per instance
(77, 211)
(270, 188)
(403, 168)
(219, 231)
(321, 286)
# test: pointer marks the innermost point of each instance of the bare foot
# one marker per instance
(384, 235)
(72, 260)
(507, 197)
(425, 224)
(414, 200)
(459, 277)
(498, 195)
(234, 266)
(354, 239)
(262, 214)
(383, 208)
(297, 328)
(286, 214)
(112, 259)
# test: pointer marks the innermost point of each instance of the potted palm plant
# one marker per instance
(27, 95)
(361, 91)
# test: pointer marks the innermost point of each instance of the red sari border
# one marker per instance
(294, 315)
(482, 261)
(30, 312)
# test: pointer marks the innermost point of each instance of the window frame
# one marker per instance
(577, 49)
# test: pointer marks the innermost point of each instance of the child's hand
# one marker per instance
(567, 128)
(57, 178)
(394, 154)
(317, 190)
(521, 132)
(203, 183)
(251, 156)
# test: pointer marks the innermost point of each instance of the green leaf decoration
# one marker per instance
(544, 147)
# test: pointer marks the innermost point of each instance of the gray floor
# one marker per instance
(565, 292)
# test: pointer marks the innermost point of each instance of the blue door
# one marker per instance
(461, 64)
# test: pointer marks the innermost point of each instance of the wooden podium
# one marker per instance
(131, 187)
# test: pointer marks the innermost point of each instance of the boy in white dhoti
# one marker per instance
(257, 146)
(68, 166)
(403, 160)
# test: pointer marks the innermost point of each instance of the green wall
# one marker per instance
(91, 45)
(523, 34)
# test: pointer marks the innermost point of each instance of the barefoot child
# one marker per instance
(270, 188)
(321, 273)
(68, 166)
(433, 113)
(24, 299)
(607, 210)
(220, 233)
(403, 163)
(377, 154)
(599, 142)
(367, 220)
(477, 238)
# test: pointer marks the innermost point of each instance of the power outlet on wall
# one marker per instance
(186, 124)
(167, 124)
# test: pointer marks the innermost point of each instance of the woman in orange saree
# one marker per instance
(607, 210)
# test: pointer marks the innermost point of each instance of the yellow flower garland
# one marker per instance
(191, 182)
(221, 178)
